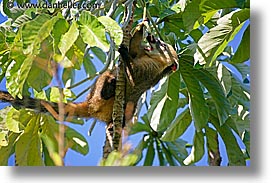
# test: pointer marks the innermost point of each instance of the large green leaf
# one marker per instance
(234, 153)
(35, 31)
(212, 44)
(112, 28)
(40, 71)
(139, 127)
(76, 141)
(48, 134)
(191, 14)
(92, 31)
(243, 52)
(214, 157)
(60, 28)
(28, 148)
(164, 103)
(178, 127)
(178, 150)
(68, 39)
(89, 66)
(217, 93)
(197, 104)
(213, 5)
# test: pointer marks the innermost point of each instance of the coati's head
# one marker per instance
(162, 53)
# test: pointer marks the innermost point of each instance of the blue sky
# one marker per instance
(97, 138)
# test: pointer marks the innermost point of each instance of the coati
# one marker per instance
(147, 63)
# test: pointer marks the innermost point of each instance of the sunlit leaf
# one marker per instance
(35, 31)
(28, 148)
(68, 39)
(76, 141)
(112, 28)
(197, 150)
(92, 31)
(212, 44)
(164, 102)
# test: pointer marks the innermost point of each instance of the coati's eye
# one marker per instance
(151, 39)
(164, 46)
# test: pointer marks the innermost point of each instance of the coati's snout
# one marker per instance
(163, 50)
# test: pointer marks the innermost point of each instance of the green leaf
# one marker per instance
(16, 120)
(168, 155)
(35, 31)
(52, 150)
(178, 150)
(89, 66)
(68, 76)
(243, 52)
(164, 102)
(191, 14)
(213, 5)
(214, 157)
(162, 161)
(139, 127)
(40, 71)
(212, 44)
(197, 151)
(49, 133)
(234, 153)
(7, 151)
(118, 159)
(112, 28)
(67, 40)
(178, 127)
(197, 104)
(143, 143)
(149, 158)
(243, 68)
(217, 93)
(101, 55)
(55, 94)
(3, 139)
(223, 75)
(28, 147)
(76, 141)
(3, 118)
(246, 140)
(60, 28)
(92, 31)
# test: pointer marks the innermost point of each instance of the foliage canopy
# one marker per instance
(204, 92)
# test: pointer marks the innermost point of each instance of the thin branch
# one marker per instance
(112, 8)
(92, 127)
(142, 3)
(61, 112)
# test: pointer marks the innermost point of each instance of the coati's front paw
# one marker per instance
(122, 49)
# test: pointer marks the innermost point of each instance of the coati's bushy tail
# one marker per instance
(26, 102)
(70, 109)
